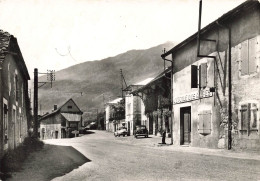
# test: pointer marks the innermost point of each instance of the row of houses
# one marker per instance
(210, 96)
(15, 114)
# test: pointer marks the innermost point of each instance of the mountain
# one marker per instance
(86, 82)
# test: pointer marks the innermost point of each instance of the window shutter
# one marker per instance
(244, 116)
(254, 110)
(203, 75)
(244, 58)
(207, 122)
(194, 76)
(201, 117)
(252, 55)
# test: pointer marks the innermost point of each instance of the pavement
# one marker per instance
(155, 142)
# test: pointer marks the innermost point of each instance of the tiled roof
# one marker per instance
(72, 117)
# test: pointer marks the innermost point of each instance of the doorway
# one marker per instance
(185, 125)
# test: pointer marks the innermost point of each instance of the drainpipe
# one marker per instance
(229, 86)
(1, 114)
(171, 96)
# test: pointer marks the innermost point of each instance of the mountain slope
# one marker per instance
(97, 77)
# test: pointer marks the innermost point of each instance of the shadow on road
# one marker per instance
(50, 162)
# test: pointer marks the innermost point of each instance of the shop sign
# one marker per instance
(192, 96)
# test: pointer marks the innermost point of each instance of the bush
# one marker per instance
(13, 159)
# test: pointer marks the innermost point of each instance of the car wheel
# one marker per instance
(123, 135)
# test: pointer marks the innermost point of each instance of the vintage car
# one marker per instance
(141, 130)
(121, 131)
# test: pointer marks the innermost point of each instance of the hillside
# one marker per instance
(97, 77)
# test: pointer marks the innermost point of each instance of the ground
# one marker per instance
(101, 156)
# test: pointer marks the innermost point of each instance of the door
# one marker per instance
(185, 126)
(5, 127)
(150, 124)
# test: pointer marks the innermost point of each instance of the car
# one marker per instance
(121, 131)
(141, 130)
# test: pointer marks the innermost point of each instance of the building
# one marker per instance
(115, 114)
(63, 122)
(14, 100)
(134, 107)
(212, 109)
(156, 97)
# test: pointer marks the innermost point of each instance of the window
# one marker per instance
(248, 63)
(69, 107)
(5, 124)
(248, 117)
(16, 88)
(205, 122)
(194, 76)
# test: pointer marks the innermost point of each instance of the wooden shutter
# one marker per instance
(201, 118)
(252, 55)
(194, 76)
(244, 116)
(207, 122)
(254, 110)
(203, 75)
(244, 58)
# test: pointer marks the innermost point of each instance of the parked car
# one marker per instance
(141, 130)
(121, 131)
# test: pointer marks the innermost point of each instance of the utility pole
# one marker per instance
(122, 82)
(51, 77)
(35, 104)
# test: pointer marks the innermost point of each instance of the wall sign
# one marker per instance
(192, 96)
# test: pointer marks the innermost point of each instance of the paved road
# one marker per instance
(126, 158)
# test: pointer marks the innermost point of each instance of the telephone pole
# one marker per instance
(35, 104)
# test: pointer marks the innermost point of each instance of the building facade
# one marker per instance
(63, 122)
(14, 100)
(135, 108)
(201, 85)
(114, 115)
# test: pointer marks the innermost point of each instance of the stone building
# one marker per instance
(201, 83)
(63, 122)
(14, 100)
(156, 108)
(112, 120)
(134, 107)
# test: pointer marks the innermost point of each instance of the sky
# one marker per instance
(55, 34)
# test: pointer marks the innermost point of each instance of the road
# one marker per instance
(126, 158)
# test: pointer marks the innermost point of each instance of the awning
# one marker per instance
(72, 117)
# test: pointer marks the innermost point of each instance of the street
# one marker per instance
(127, 158)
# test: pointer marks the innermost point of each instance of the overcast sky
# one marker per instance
(54, 34)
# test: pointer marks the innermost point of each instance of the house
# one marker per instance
(212, 108)
(14, 99)
(63, 122)
(134, 107)
(115, 114)
(156, 98)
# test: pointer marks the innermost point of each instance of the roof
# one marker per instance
(5, 40)
(58, 109)
(115, 101)
(144, 82)
(233, 12)
(72, 117)
(162, 74)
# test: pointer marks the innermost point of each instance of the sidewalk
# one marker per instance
(154, 142)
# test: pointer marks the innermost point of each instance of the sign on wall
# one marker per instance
(192, 96)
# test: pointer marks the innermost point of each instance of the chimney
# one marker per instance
(55, 107)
